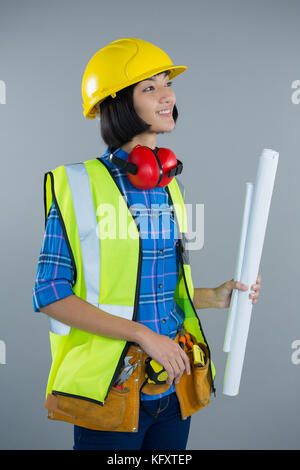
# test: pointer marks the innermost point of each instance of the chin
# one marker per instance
(167, 128)
(163, 132)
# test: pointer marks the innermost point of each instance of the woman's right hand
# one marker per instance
(166, 352)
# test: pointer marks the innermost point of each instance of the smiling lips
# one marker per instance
(165, 112)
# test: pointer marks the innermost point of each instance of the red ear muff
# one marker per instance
(147, 168)
(169, 162)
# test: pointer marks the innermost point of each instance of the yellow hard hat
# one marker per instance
(120, 64)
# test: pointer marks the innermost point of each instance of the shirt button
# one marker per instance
(161, 251)
(163, 321)
(160, 286)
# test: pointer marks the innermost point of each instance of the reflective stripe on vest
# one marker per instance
(89, 243)
(87, 226)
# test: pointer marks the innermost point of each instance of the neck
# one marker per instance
(149, 140)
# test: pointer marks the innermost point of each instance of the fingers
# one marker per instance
(254, 297)
(255, 287)
(170, 372)
(168, 353)
(184, 365)
(177, 366)
(173, 372)
(186, 360)
(241, 286)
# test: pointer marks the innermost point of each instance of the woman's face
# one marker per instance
(151, 96)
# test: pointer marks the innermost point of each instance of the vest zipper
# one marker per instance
(137, 291)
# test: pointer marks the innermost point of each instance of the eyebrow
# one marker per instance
(152, 79)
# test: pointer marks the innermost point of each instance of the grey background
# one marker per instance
(233, 101)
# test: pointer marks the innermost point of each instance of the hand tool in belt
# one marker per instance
(198, 354)
(126, 372)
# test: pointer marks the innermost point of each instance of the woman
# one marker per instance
(144, 293)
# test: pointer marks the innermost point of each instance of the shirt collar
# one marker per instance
(118, 152)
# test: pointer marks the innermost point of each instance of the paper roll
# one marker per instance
(259, 211)
(238, 266)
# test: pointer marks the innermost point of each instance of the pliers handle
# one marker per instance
(185, 339)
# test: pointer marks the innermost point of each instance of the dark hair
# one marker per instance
(119, 122)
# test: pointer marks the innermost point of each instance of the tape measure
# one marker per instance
(155, 372)
(198, 356)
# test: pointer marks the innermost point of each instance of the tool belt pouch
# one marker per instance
(201, 377)
(194, 390)
(108, 416)
(196, 387)
(119, 412)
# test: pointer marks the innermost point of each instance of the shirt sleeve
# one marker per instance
(55, 274)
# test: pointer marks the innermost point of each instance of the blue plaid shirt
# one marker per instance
(157, 308)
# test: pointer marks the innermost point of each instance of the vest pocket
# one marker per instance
(109, 416)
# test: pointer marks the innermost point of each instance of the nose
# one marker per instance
(167, 95)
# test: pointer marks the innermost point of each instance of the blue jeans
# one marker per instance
(160, 428)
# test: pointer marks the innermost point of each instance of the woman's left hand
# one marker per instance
(223, 293)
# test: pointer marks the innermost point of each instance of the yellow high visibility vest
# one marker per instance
(107, 272)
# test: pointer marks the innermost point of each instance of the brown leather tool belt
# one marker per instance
(121, 409)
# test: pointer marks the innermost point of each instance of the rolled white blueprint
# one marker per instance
(238, 266)
(261, 201)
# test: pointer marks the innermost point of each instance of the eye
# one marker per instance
(169, 84)
(148, 88)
